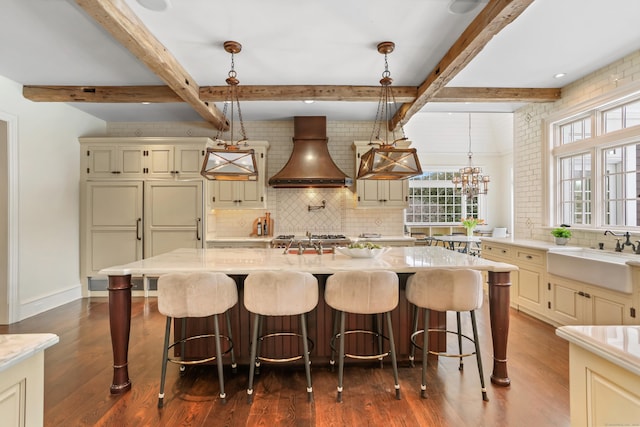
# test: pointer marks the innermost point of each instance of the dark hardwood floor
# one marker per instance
(78, 375)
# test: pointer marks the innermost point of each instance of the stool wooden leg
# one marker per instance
(252, 358)
(234, 365)
(341, 356)
(412, 352)
(394, 361)
(478, 357)
(425, 353)
(165, 356)
(216, 327)
(307, 362)
(460, 367)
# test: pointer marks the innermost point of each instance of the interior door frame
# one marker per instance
(12, 167)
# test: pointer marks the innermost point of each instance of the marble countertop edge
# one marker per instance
(624, 359)
(14, 348)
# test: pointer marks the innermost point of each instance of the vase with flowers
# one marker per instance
(470, 224)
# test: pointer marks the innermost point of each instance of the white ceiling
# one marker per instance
(330, 42)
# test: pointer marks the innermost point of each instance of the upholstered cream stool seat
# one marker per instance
(358, 293)
(187, 295)
(279, 293)
(446, 290)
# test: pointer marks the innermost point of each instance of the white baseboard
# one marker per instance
(40, 305)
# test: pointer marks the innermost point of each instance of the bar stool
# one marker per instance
(185, 295)
(362, 292)
(446, 290)
(279, 293)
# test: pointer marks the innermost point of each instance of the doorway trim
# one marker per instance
(13, 167)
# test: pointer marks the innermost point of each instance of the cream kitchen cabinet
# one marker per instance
(503, 253)
(576, 303)
(528, 284)
(532, 285)
(177, 161)
(372, 193)
(241, 194)
(124, 221)
(141, 158)
(113, 161)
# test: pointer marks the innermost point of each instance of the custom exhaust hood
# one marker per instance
(310, 164)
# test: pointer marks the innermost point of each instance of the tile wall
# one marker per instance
(289, 207)
(530, 221)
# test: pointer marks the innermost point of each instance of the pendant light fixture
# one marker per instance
(229, 160)
(385, 160)
(470, 180)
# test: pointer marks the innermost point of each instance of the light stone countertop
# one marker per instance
(401, 259)
(15, 348)
(618, 344)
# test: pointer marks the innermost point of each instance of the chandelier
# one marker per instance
(470, 181)
(229, 160)
(385, 160)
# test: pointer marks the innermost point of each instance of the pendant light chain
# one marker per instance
(231, 99)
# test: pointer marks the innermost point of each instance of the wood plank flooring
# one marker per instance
(78, 375)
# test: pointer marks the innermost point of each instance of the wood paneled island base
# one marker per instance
(239, 262)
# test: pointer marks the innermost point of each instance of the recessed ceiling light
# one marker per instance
(559, 75)
(460, 7)
(308, 101)
(145, 103)
(155, 5)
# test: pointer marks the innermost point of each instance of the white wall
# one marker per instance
(442, 139)
(48, 197)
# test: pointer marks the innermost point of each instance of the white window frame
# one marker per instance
(596, 145)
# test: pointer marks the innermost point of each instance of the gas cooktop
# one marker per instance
(326, 239)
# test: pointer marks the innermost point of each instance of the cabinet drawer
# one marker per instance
(531, 257)
(490, 250)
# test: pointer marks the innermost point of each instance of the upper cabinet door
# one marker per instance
(109, 161)
(188, 161)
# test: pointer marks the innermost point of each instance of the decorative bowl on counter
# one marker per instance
(362, 252)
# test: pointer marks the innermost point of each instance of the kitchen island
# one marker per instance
(242, 261)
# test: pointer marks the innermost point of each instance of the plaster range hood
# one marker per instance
(310, 164)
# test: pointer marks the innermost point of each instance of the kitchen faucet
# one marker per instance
(620, 246)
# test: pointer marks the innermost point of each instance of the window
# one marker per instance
(621, 185)
(575, 189)
(621, 117)
(597, 178)
(433, 200)
(576, 130)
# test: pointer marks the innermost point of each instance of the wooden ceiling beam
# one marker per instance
(496, 94)
(164, 94)
(495, 16)
(120, 21)
(305, 92)
(101, 94)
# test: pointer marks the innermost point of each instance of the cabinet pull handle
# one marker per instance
(198, 222)
(587, 295)
(138, 223)
(529, 257)
(504, 251)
